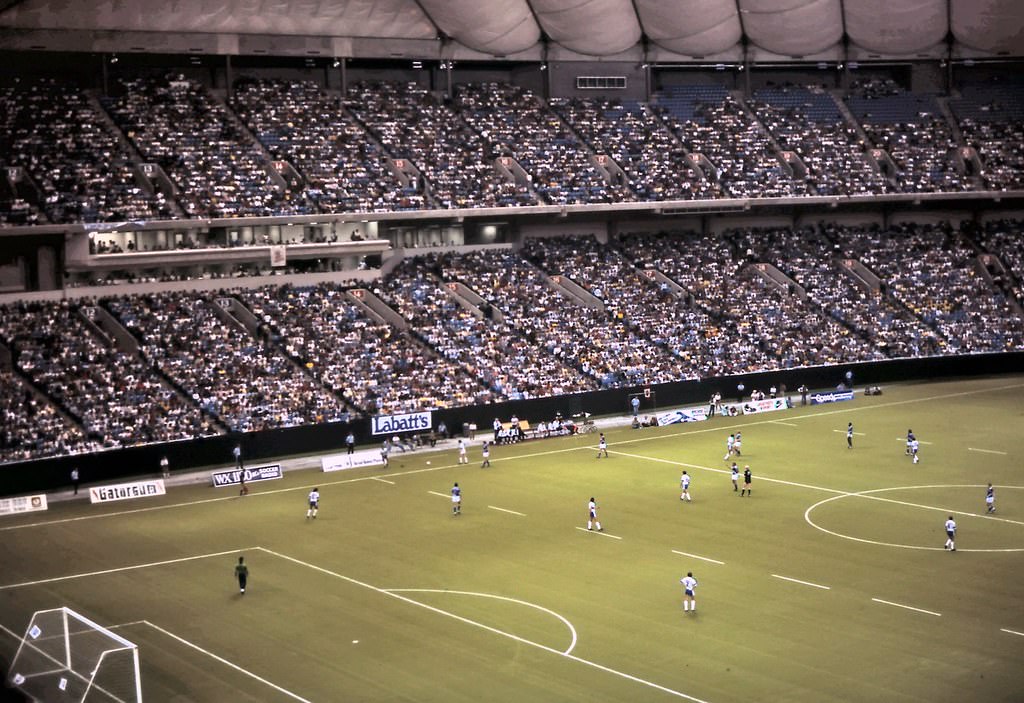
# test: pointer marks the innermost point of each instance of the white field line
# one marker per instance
(986, 451)
(838, 493)
(1012, 632)
(717, 428)
(805, 583)
(383, 480)
(133, 567)
(697, 556)
(908, 607)
(506, 510)
(435, 493)
(904, 439)
(787, 424)
(224, 661)
(598, 532)
(856, 434)
(517, 638)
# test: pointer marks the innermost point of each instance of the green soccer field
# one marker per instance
(828, 583)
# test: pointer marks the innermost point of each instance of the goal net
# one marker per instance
(65, 657)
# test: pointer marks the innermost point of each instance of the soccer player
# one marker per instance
(684, 485)
(910, 438)
(746, 482)
(314, 503)
(456, 500)
(243, 489)
(463, 459)
(735, 477)
(592, 516)
(689, 584)
(951, 534)
(602, 446)
(913, 450)
(849, 435)
(385, 451)
(737, 445)
(242, 574)
(990, 499)
(729, 443)
(487, 455)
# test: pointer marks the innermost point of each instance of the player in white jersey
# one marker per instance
(689, 585)
(913, 450)
(735, 477)
(729, 444)
(602, 447)
(684, 486)
(951, 534)
(314, 503)
(592, 516)
(990, 499)
(737, 445)
(463, 459)
(456, 500)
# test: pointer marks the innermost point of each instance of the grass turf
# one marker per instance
(528, 607)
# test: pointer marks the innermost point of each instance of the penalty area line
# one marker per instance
(435, 493)
(382, 480)
(696, 556)
(1012, 632)
(598, 532)
(986, 451)
(805, 583)
(506, 510)
(908, 607)
(224, 661)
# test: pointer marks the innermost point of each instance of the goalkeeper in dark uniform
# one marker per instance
(242, 574)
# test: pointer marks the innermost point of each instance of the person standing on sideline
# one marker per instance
(456, 500)
(314, 503)
(689, 585)
(463, 459)
(849, 435)
(746, 481)
(592, 516)
(385, 451)
(684, 485)
(602, 446)
(729, 443)
(74, 479)
(237, 452)
(487, 455)
(990, 499)
(241, 574)
(165, 467)
(735, 477)
(951, 534)
(350, 443)
(635, 402)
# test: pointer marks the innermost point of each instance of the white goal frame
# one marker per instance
(38, 645)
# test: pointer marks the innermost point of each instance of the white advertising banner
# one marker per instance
(683, 415)
(233, 477)
(767, 405)
(127, 491)
(23, 504)
(355, 460)
(411, 422)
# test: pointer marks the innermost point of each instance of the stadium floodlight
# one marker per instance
(65, 657)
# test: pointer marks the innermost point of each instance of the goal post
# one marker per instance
(65, 657)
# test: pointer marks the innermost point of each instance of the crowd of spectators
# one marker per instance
(83, 174)
(652, 158)
(219, 171)
(807, 121)
(31, 427)
(481, 340)
(517, 123)
(991, 119)
(1003, 239)
(913, 130)
(375, 367)
(118, 398)
(244, 382)
(344, 169)
(457, 162)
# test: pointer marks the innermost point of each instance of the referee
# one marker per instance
(242, 574)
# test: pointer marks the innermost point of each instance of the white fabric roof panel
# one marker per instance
(357, 18)
(691, 27)
(989, 25)
(896, 26)
(793, 27)
(496, 27)
(594, 27)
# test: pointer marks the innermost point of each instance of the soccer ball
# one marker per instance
(428, 463)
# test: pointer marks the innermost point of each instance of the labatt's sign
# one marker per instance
(412, 422)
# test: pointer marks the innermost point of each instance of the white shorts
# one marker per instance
(456, 499)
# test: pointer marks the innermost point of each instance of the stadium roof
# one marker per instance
(536, 29)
